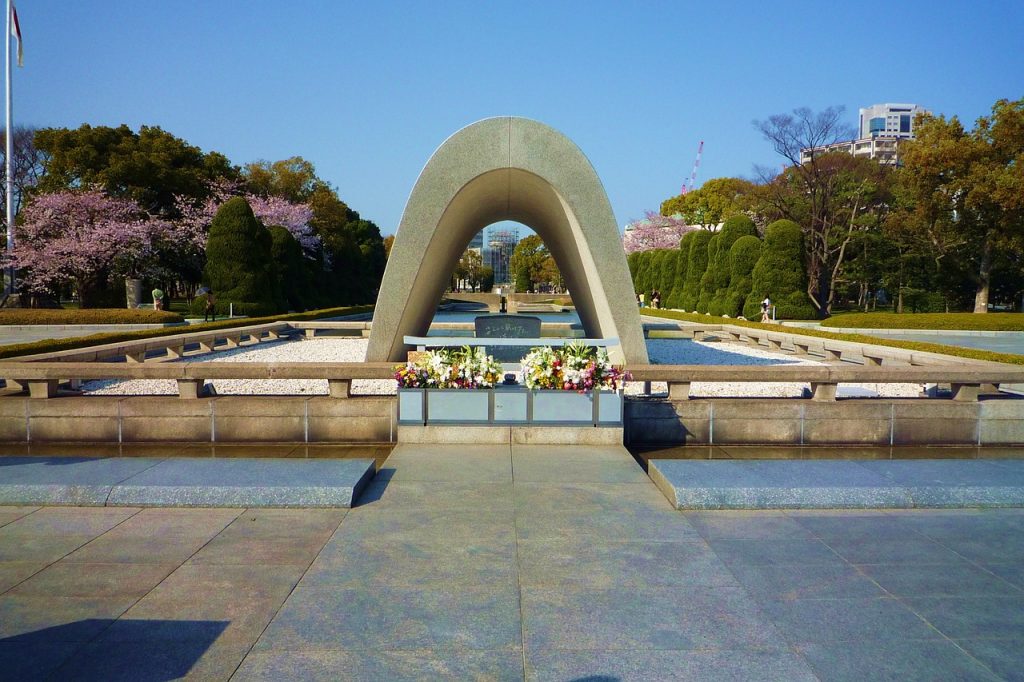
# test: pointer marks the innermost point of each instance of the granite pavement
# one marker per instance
(505, 563)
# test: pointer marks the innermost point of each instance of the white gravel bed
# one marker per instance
(311, 350)
(661, 351)
(688, 352)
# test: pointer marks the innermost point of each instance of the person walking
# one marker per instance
(210, 312)
(766, 306)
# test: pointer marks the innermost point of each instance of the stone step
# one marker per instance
(183, 481)
(837, 484)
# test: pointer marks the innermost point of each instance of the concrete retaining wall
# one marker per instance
(372, 419)
(844, 422)
(224, 419)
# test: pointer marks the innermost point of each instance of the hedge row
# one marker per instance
(924, 347)
(729, 272)
(21, 316)
(993, 322)
(52, 345)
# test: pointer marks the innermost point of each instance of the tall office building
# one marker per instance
(882, 128)
(477, 243)
(889, 120)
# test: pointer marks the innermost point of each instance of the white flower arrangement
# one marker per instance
(448, 368)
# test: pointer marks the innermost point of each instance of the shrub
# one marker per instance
(742, 258)
(652, 274)
(1008, 322)
(294, 277)
(696, 263)
(633, 261)
(675, 296)
(707, 279)
(239, 267)
(779, 273)
(668, 274)
(719, 272)
(21, 316)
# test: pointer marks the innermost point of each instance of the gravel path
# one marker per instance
(661, 351)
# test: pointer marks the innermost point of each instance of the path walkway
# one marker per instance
(498, 563)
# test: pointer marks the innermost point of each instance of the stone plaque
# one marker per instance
(508, 327)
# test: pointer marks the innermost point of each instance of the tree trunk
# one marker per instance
(984, 277)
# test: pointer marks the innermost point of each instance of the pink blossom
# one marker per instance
(270, 211)
(71, 236)
(655, 231)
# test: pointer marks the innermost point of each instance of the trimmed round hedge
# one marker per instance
(239, 265)
(780, 274)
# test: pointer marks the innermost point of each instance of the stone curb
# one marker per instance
(183, 482)
(839, 484)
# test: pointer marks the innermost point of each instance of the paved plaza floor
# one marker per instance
(498, 562)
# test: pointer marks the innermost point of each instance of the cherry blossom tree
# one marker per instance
(81, 238)
(655, 231)
(294, 217)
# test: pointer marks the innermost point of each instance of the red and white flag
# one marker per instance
(16, 32)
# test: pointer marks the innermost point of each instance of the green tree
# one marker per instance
(827, 194)
(151, 166)
(779, 274)
(239, 266)
(719, 272)
(708, 280)
(294, 179)
(667, 280)
(696, 264)
(963, 193)
(743, 255)
(293, 269)
(533, 264)
(486, 279)
(675, 296)
(710, 204)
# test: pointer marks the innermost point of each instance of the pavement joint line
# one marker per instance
(110, 492)
(280, 606)
(519, 566)
(113, 621)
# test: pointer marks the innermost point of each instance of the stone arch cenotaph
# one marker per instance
(508, 168)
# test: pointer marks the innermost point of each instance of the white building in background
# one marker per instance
(894, 121)
(882, 128)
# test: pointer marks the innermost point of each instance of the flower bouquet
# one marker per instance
(449, 368)
(575, 367)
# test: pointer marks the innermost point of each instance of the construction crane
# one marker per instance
(696, 165)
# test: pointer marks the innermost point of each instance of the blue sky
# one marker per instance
(368, 90)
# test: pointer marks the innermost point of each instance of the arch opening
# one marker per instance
(522, 171)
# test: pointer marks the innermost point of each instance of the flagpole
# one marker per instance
(9, 135)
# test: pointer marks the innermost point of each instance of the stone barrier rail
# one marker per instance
(170, 347)
(833, 350)
(966, 381)
(43, 378)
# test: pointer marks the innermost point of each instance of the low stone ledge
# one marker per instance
(839, 484)
(185, 482)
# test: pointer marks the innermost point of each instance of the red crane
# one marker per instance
(696, 165)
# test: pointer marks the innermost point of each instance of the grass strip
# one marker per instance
(925, 347)
(988, 322)
(24, 316)
(52, 345)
